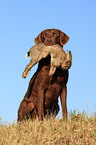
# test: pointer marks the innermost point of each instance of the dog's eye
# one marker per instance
(54, 34)
(44, 35)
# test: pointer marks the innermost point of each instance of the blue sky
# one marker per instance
(20, 22)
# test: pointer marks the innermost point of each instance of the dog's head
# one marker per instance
(52, 37)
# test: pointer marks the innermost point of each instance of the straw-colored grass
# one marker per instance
(78, 129)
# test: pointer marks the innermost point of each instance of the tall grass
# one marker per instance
(78, 129)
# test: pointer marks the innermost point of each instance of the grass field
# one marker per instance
(78, 129)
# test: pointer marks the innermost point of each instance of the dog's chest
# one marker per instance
(62, 78)
(51, 95)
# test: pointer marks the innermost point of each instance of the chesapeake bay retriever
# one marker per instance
(43, 91)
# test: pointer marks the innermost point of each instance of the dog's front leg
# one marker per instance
(40, 103)
(63, 97)
(43, 81)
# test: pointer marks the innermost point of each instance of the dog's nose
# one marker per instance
(49, 40)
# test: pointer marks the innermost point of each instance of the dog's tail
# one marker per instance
(28, 54)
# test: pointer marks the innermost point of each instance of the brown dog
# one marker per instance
(43, 91)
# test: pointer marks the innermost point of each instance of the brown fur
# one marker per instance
(43, 91)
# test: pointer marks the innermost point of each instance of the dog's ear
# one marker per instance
(63, 38)
(38, 39)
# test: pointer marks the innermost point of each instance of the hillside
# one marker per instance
(78, 129)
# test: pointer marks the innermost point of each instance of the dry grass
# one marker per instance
(79, 129)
